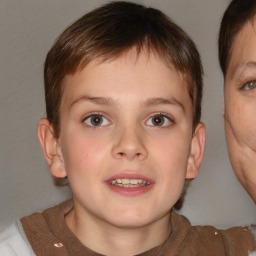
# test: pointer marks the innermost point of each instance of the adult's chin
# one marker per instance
(243, 161)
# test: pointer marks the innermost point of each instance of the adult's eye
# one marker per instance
(96, 120)
(159, 120)
(250, 86)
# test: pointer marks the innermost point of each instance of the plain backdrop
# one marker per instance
(27, 31)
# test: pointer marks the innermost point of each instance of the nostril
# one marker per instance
(124, 154)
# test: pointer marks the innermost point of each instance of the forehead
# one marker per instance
(143, 65)
(137, 77)
(243, 55)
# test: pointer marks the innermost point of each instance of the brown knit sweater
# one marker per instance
(49, 235)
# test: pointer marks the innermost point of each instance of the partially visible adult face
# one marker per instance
(240, 107)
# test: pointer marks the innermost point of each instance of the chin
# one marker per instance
(133, 219)
(130, 224)
(126, 218)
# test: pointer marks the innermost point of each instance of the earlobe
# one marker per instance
(51, 148)
(196, 151)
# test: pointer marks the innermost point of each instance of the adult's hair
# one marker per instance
(236, 15)
(108, 32)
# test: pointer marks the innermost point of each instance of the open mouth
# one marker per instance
(129, 183)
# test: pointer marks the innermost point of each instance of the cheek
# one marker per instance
(81, 154)
(170, 153)
(241, 120)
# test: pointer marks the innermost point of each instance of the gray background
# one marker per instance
(27, 31)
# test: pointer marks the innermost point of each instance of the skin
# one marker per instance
(130, 93)
(240, 105)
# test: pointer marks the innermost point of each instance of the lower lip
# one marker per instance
(130, 192)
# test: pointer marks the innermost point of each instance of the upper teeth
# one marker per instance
(122, 182)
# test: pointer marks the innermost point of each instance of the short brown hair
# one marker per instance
(111, 30)
(234, 18)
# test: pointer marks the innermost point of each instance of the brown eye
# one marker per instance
(159, 120)
(96, 120)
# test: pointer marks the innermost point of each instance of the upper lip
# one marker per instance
(129, 176)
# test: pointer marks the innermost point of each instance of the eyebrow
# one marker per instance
(239, 69)
(148, 102)
(164, 101)
(96, 100)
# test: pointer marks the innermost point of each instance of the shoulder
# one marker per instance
(235, 240)
(253, 230)
(32, 231)
(211, 241)
(13, 242)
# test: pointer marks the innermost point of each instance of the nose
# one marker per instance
(129, 144)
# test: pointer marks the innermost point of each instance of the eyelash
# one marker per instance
(100, 115)
(169, 119)
(253, 83)
(91, 115)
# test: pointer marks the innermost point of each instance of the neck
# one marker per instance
(108, 239)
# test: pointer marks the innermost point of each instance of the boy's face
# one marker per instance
(240, 106)
(125, 139)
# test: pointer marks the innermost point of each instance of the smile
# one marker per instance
(129, 183)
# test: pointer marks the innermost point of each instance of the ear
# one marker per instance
(196, 151)
(51, 148)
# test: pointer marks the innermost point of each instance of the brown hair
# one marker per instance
(108, 32)
(234, 18)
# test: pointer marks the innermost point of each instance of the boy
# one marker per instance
(123, 88)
